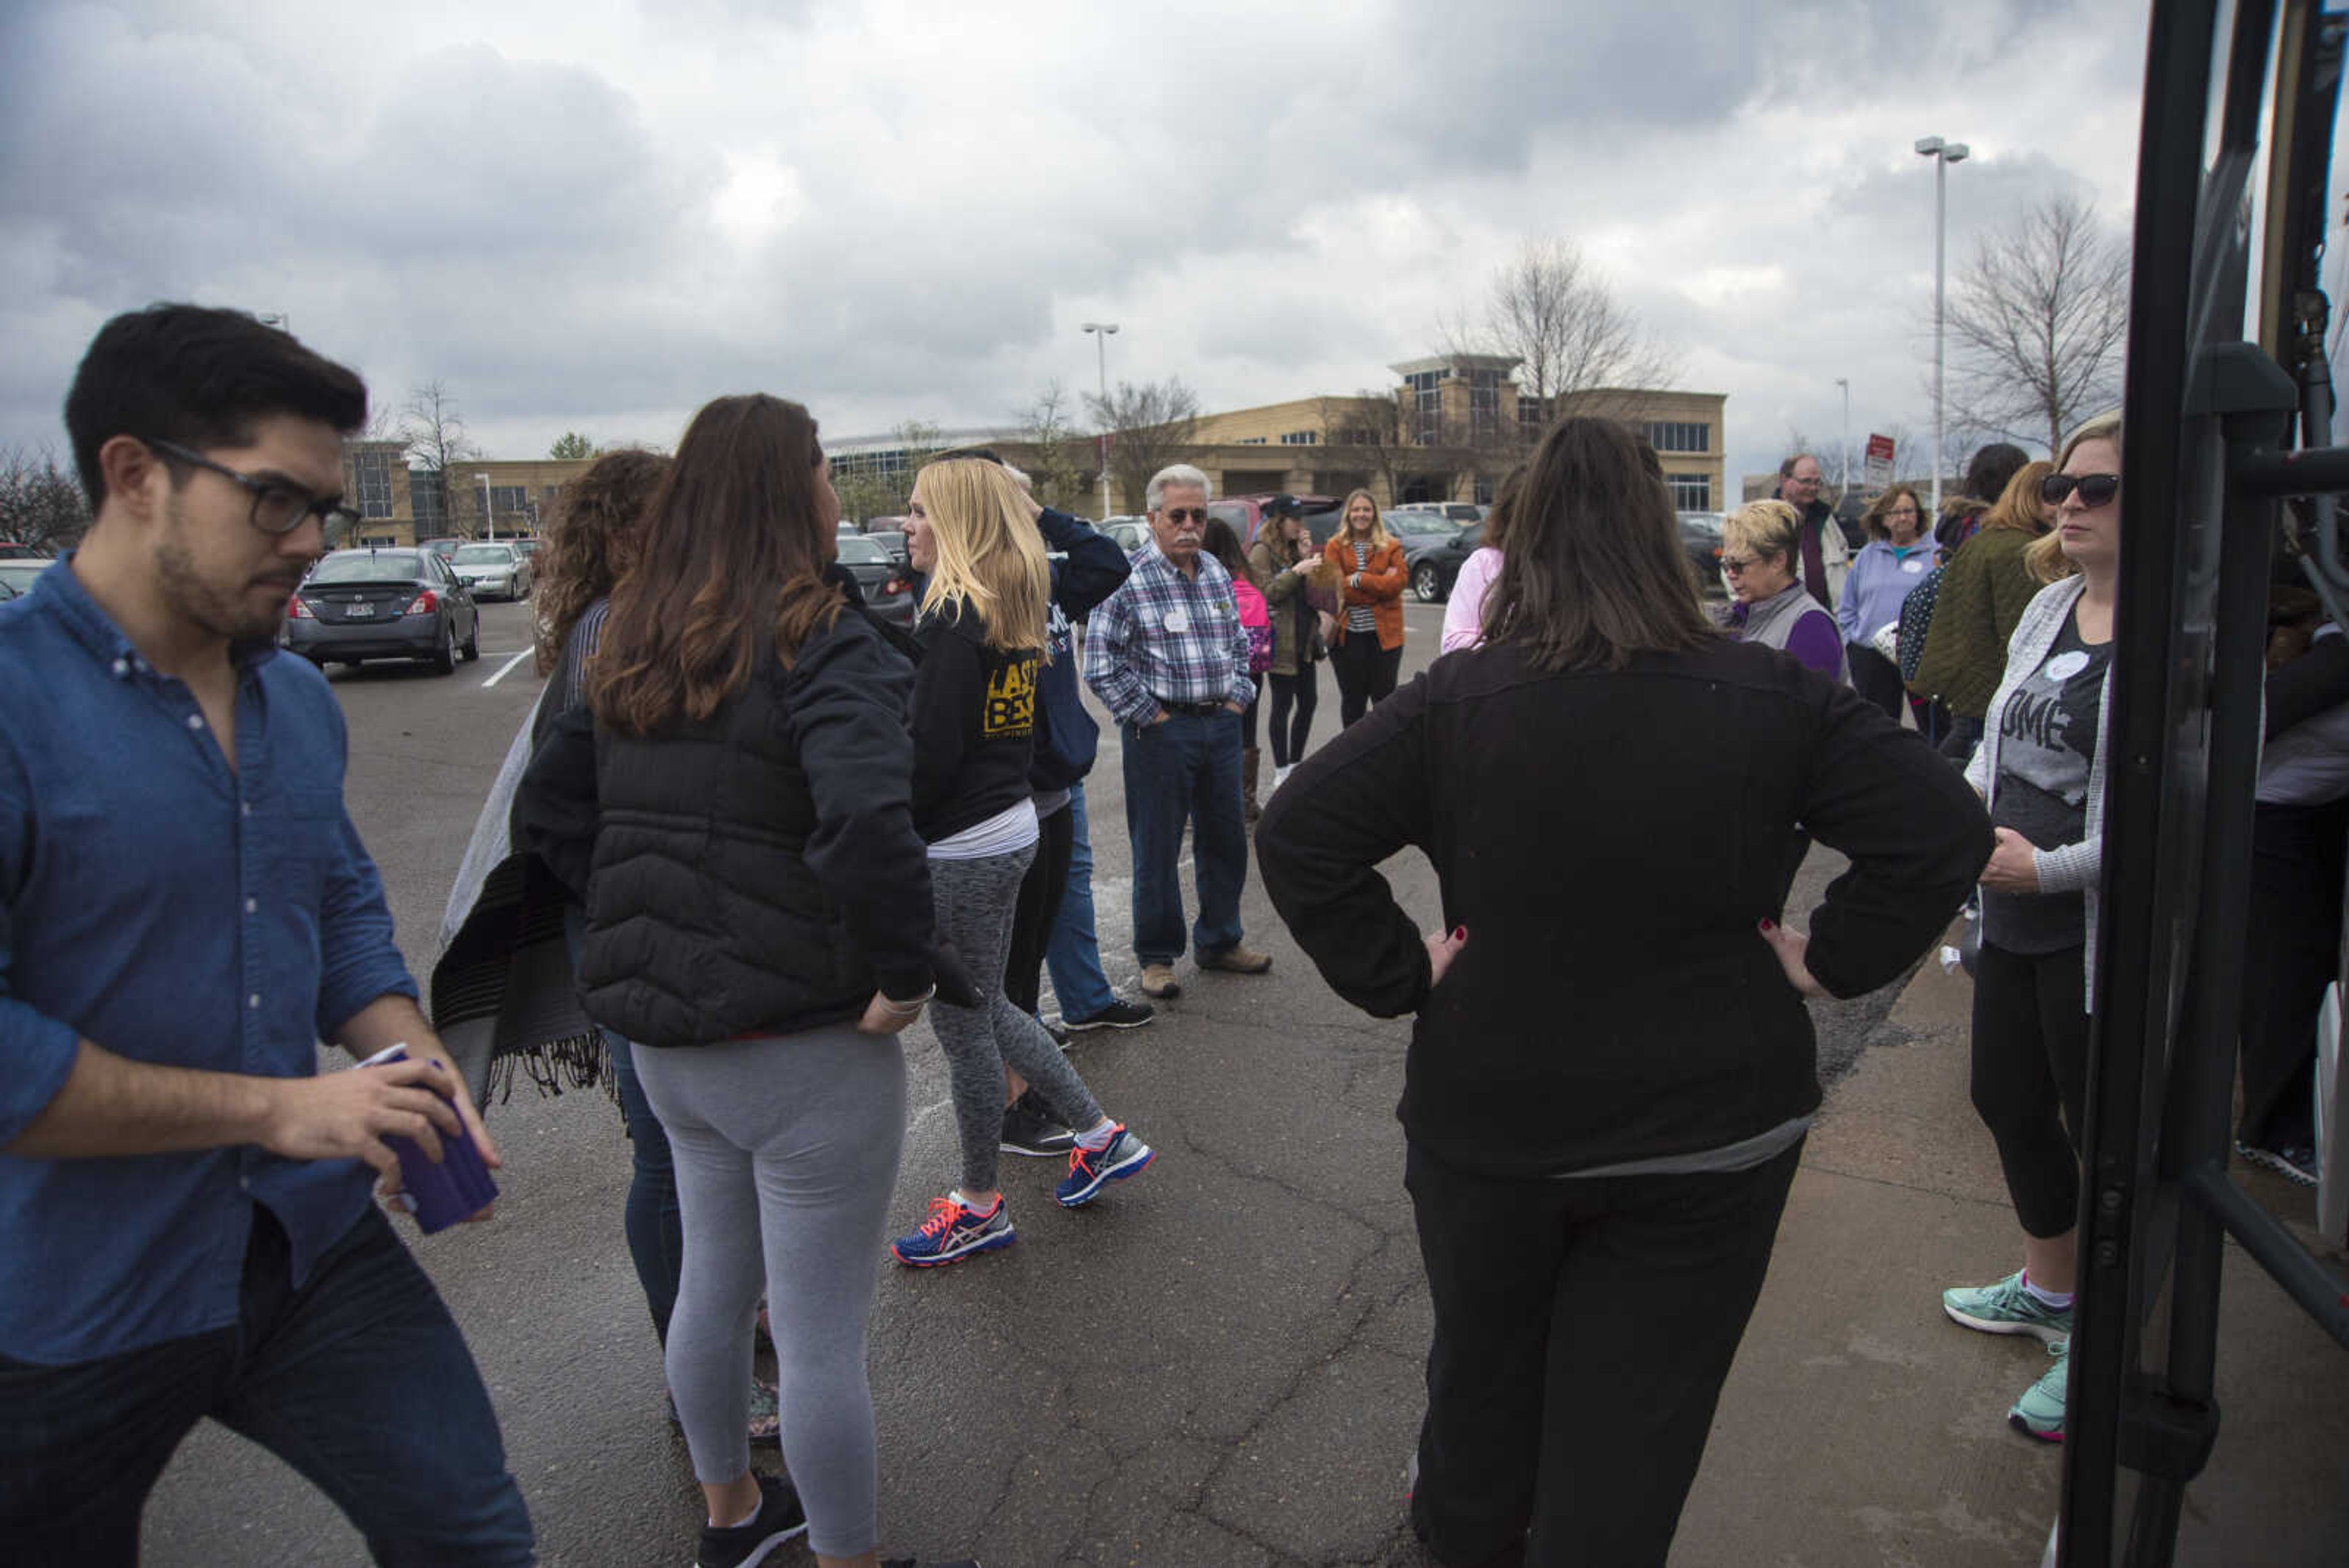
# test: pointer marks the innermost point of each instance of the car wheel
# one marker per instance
(444, 660)
(1427, 583)
(473, 648)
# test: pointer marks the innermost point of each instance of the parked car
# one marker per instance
(1461, 512)
(492, 568)
(528, 547)
(15, 550)
(443, 547)
(17, 572)
(886, 583)
(892, 540)
(1131, 533)
(358, 605)
(1434, 550)
(1246, 513)
(1701, 537)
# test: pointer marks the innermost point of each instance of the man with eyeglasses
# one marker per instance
(1826, 554)
(186, 1227)
(1166, 653)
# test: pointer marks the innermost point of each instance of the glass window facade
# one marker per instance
(1690, 491)
(1678, 435)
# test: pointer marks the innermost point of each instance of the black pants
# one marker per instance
(1366, 674)
(1958, 742)
(2294, 953)
(1039, 908)
(1293, 698)
(1583, 1330)
(1877, 677)
(2031, 1077)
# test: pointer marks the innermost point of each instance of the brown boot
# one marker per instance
(1237, 960)
(1249, 807)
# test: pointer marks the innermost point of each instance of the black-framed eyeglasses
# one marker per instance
(278, 508)
(2095, 489)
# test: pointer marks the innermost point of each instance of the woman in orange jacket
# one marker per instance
(1368, 650)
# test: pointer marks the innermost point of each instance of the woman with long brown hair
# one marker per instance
(736, 818)
(1598, 1160)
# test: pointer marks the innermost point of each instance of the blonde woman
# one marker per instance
(982, 632)
(1984, 591)
(1761, 554)
(1368, 650)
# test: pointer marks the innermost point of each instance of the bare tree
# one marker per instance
(40, 504)
(1373, 430)
(1554, 313)
(2037, 317)
(436, 442)
(1061, 453)
(1150, 426)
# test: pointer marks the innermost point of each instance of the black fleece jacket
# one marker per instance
(1611, 841)
(974, 723)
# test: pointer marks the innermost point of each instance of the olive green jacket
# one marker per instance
(1984, 592)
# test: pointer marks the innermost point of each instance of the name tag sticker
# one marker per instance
(2064, 665)
(1178, 621)
(1914, 565)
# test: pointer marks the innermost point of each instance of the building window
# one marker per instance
(371, 483)
(1690, 491)
(1301, 438)
(1253, 440)
(885, 465)
(426, 501)
(1530, 422)
(1484, 404)
(1484, 490)
(1674, 435)
(1427, 405)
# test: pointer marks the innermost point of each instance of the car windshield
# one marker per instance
(1420, 523)
(859, 551)
(485, 556)
(1707, 523)
(370, 566)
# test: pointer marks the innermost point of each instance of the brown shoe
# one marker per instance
(1237, 960)
(1158, 980)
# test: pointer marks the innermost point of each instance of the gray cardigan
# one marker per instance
(2068, 867)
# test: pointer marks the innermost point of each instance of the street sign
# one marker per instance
(1879, 460)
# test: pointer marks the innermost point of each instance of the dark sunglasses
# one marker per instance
(1186, 514)
(278, 508)
(2095, 489)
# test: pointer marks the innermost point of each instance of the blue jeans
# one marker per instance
(655, 1225)
(1186, 769)
(1072, 955)
(359, 1379)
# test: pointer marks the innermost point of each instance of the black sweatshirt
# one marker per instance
(1610, 842)
(974, 723)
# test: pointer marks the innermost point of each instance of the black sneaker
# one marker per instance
(918, 1562)
(2293, 1162)
(1116, 1015)
(780, 1517)
(1059, 1035)
(1029, 1129)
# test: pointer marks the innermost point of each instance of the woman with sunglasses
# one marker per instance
(1368, 654)
(2041, 771)
(1761, 554)
(1897, 555)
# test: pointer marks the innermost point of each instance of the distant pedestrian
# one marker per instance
(1768, 603)
(1167, 656)
(1611, 1076)
(1368, 650)
(1283, 559)
(736, 818)
(1897, 555)
(1984, 591)
(1822, 554)
(973, 725)
(186, 1228)
(1988, 474)
(1463, 612)
(2042, 769)
(1255, 620)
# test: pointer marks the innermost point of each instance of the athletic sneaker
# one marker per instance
(954, 1231)
(780, 1517)
(2007, 1308)
(1029, 1129)
(1119, 1014)
(2293, 1162)
(1090, 1170)
(918, 1562)
(2040, 1412)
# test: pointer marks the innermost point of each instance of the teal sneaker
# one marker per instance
(2007, 1308)
(2040, 1412)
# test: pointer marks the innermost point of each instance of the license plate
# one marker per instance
(358, 612)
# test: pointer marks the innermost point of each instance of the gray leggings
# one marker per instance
(976, 900)
(786, 1151)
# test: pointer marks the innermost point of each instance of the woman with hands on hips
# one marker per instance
(1611, 1070)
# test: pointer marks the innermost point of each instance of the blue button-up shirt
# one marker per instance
(1166, 637)
(172, 911)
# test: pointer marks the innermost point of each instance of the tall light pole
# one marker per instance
(1845, 383)
(1101, 331)
(489, 517)
(1943, 155)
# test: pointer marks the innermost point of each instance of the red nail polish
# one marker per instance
(1459, 933)
(1769, 925)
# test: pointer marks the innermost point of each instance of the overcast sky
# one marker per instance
(596, 215)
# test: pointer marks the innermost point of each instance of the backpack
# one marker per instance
(1916, 620)
(1256, 620)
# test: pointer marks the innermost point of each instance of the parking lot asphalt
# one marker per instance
(1220, 1365)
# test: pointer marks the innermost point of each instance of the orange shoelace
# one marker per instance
(944, 1211)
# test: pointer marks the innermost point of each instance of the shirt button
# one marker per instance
(245, 807)
(253, 906)
(253, 1001)
(245, 1182)
(195, 721)
(123, 667)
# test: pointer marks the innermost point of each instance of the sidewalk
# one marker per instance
(1861, 1427)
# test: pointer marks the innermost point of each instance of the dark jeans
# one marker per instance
(1293, 699)
(359, 1380)
(1073, 953)
(1186, 769)
(1366, 674)
(654, 1223)
(2294, 953)
(1877, 677)
(1583, 1330)
(2031, 1077)
(1032, 920)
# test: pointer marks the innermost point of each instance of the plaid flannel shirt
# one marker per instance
(1166, 637)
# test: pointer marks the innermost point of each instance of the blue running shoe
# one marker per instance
(2040, 1412)
(954, 1231)
(2007, 1308)
(1092, 1169)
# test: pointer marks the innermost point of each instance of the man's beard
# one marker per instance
(223, 611)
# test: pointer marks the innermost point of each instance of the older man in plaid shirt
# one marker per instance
(1168, 656)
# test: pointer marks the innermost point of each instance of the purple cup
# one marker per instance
(445, 1194)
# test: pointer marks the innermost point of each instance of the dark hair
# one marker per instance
(1505, 497)
(1219, 541)
(733, 555)
(1992, 469)
(1593, 571)
(1786, 469)
(592, 541)
(200, 376)
(983, 453)
(1872, 520)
